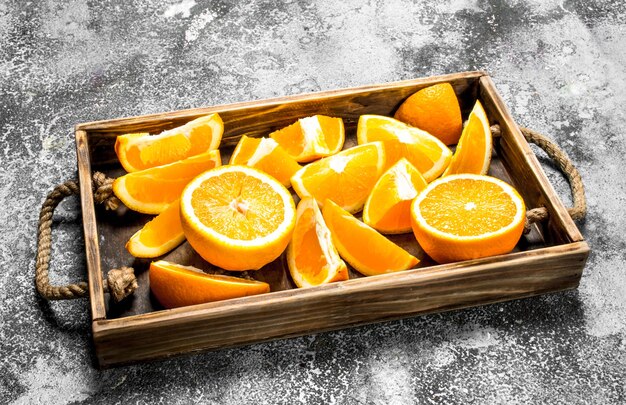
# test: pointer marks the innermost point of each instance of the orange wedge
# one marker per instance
(311, 255)
(237, 217)
(467, 216)
(142, 151)
(427, 153)
(266, 155)
(363, 247)
(311, 138)
(388, 207)
(345, 178)
(150, 191)
(158, 236)
(473, 153)
(174, 285)
(435, 109)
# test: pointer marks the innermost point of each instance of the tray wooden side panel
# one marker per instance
(354, 302)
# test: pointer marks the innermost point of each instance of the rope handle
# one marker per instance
(565, 165)
(119, 282)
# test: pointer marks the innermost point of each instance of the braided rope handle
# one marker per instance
(119, 283)
(565, 165)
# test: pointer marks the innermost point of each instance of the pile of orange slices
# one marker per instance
(400, 178)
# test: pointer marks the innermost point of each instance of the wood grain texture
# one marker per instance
(550, 258)
(350, 303)
(90, 229)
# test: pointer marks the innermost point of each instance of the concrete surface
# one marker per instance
(560, 67)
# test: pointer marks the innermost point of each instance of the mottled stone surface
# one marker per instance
(560, 66)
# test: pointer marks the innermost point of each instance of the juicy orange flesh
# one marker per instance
(291, 139)
(160, 230)
(166, 183)
(467, 207)
(473, 139)
(238, 206)
(365, 244)
(346, 186)
(201, 275)
(245, 150)
(309, 259)
(331, 127)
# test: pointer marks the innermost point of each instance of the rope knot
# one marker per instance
(103, 191)
(120, 283)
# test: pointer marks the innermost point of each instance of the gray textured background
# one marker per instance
(560, 66)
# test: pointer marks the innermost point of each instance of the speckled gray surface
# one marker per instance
(560, 66)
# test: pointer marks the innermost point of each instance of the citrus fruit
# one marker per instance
(435, 109)
(266, 155)
(467, 216)
(388, 207)
(174, 285)
(427, 153)
(311, 255)
(150, 191)
(142, 151)
(237, 217)
(311, 138)
(473, 153)
(159, 236)
(346, 178)
(369, 252)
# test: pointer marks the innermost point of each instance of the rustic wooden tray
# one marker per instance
(550, 258)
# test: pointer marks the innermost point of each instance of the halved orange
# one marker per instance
(388, 207)
(237, 217)
(436, 110)
(427, 153)
(266, 155)
(311, 256)
(174, 285)
(467, 216)
(345, 178)
(369, 252)
(141, 151)
(473, 153)
(150, 191)
(159, 236)
(311, 138)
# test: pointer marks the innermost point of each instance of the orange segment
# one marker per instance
(427, 153)
(473, 153)
(467, 216)
(150, 191)
(174, 285)
(311, 255)
(363, 247)
(388, 207)
(237, 217)
(434, 109)
(158, 236)
(142, 151)
(266, 155)
(345, 178)
(311, 138)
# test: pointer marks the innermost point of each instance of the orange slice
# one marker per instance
(363, 247)
(150, 191)
(434, 109)
(473, 153)
(142, 151)
(467, 216)
(427, 153)
(237, 217)
(266, 155)
(388, 207)
(311, 138)
(158, 236)
(174, 285)
(345, 178)
(311, 255)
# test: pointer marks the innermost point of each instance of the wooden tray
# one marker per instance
(550, 258)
